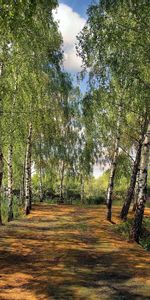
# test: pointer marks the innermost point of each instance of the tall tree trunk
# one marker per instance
(130, 192)
(111, 181)
(82, 189)
(137, 224)
(30, 181)
(113, 167)
(61, 201)
(41, 173)
(1, 153)
(136, 193)
(28, 191)
(10, 184)
(22, 194)
(1, 178)
(41, 185)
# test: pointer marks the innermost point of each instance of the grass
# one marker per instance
(145, 237)
(125, 227)
(17, 208)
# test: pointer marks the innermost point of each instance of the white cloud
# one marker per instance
(70, 24)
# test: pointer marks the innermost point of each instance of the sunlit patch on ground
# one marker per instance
(67, 252)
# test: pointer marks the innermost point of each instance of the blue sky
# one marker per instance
(79, 6)
(71, 16)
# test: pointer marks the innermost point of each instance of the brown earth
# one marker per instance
(68, 252)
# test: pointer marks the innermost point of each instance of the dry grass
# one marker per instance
(68, 252)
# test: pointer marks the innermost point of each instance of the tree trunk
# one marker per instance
(10, 184)
(22, 194)
(130, 192)
(41, 185)
(1, 178)
(1, 153)
(137, 224)
(111, 181)
(82, 189)
(113, 168)
(61, 201)
(41, 173)
(28, 191)
(136, 193)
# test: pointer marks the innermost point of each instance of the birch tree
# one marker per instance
(135, 170)
(28, 189)
(10, 184)
(139, 213)
(1, 178)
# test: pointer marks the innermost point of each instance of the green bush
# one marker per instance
(125, 227)
(145, 236)
(95, 200)
(17, 208)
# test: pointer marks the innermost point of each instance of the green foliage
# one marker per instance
(119, 77)
(17, 208)
(95, 200)
(72, 132)
(145, 236)
(125, 228)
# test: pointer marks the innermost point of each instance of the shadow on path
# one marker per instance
(66, 252)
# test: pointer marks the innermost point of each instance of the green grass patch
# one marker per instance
(124, 230)
(17, 209)
(145, 236)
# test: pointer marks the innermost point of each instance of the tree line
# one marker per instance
(48, 127)
(40, 108)
(114, 47)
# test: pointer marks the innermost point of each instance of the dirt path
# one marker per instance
(61, 252)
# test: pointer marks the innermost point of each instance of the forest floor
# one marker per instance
(70, 252)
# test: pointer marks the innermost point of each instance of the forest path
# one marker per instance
(68, 252)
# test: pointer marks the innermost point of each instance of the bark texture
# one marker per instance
(1, 178)
(82, 189)
(1, 153)
(61, 201)
(41, 184)
(41, 173)
(28, 189)
(137, 224)
(113, 169)
(136, 193)
(111, 180)
(22, 190)
(10, 184)
(130, 192)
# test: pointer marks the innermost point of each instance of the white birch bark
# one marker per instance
(41, 184)
(136, 193)
(1, 178)
(137, 225)
(62, 170)
(113, 169)
(10, 184)
(130, 192)
(82, 189)
(28, 172)
(1, 152)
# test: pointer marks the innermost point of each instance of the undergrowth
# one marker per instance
(125, 227)
(17, 209)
